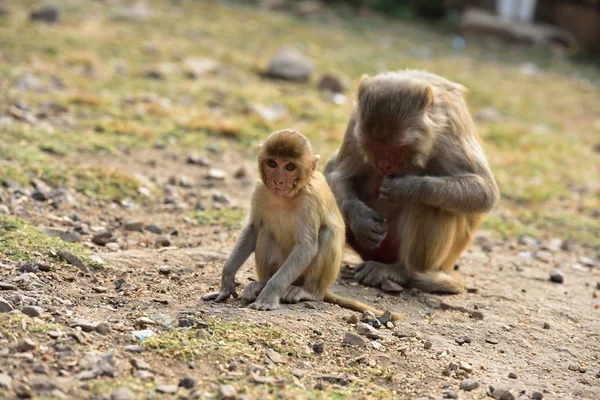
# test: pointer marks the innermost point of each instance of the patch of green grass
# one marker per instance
(228, 217)
(10, 323)
(20, 241)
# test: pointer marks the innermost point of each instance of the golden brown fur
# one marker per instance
(295, 230)
(411, 176)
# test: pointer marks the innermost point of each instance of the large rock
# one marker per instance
(290, 65)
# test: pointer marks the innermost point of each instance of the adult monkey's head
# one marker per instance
(286, 162)
(394, 129)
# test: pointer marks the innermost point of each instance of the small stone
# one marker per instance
(375, 323)
(144, 321)
(275, 357)
(554, 245)
(113, 246)
(216, 174)
(41, 369)
(353, 319)
(446, 372)
(197, 159)
(462, 340)
(528, 241)
(134, 226)
(64, 234)
(537, 396)
(354, 339)
(469, 384)
(144, 375)
(55, 334)
(32, 311)
(556, 276)
(163, 241)
(376, 345)
(542, 256)
(582, 370)
(26, 344)
(241, 173)
(573, 367)
(588, 261)
(427, 345)
(23, 391)
(194, 68)
(546, 325)
(319, 346)
(167, 389)
(165, 269)
(7, 286)
(5, 381)
(122, 393)
(331, 83)
(512, 375)
(389, 286)
(367, 316)
(289, 64)
(502, 394)
(385, 317)
(49, 14)
(139, 364)
(227, 392)
(103, 328)
(270, 113)
(187, 382)
(5, 306)
(310, 305)
(219, 197)
(85, 325)
(450, 394)
(154, 229)
(367, 330)
(102, 238)
(390, 325)
(492, 341)
(465, 366)
(72, 259)
(99, 289)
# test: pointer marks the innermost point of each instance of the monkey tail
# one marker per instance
(355, 305)
(443, 282)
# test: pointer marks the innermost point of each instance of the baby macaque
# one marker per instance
(295, 230)
(411, 180)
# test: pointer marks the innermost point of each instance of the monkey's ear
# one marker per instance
(363, 85)
(427, 97)
(315, 162)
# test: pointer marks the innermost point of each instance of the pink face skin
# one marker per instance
(389, 159)
(281, 175)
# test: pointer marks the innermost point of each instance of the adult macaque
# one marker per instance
(411, 180)
(295, 230)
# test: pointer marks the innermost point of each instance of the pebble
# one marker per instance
(319, 346)
(219, 197)
(32, 311)
(5, 306)
(167, 389)
(122, 394)
(197, 159)
(216, 174)
(528, 241)
(49, 14)
(353, 319)
(85, 325)
(385, 317)
(163, 241)
(465, 366)
(546, 325)
(139, 364)
(389, 286)
(7, 286)
(537, 396)
(452, 366)
(154, 229)
(102, 238)
(134, 226)
(113, 246)
(501, 394)
(309, 305)
(469, 384)
(291, 65)
(450, 394)
(367, 316)
(427, 345)
(5, 381)
(491, 341)
(100, 289)
(55, 334)
(354, 339)
(275, 357)
(331, 83)
(375, 323)
(462, 340)
(554, 245)
(240, 173)
(165, 269)
(187, 382)
(23, 391)
(512, 375)
(588, 261)
(41, 369)
(103, 328)
(133, 348)
(556, 276)
(141, 321)
(144, 375)
(227, 392)
(542, 255)
(26, 344)
(367, 330)
(71, 259)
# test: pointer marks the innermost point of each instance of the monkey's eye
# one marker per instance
(290, 167)
(272, 163)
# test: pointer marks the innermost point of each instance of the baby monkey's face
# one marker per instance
(281, 176)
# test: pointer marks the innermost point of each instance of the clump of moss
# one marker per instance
(228, 217)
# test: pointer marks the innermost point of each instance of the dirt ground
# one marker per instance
(514, 329)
